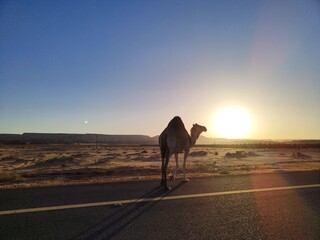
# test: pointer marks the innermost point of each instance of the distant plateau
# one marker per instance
(89, 138)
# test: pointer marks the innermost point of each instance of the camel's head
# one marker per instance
(196, 130)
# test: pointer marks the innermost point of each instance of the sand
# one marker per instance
(54, 165)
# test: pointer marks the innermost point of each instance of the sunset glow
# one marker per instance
(232, 123)
(128, 67)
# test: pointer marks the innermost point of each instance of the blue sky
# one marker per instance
(128, 67)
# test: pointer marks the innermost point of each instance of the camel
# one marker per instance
(174, 140)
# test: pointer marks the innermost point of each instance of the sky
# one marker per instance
(129, 67)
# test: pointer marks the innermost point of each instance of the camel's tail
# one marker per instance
(163, 145)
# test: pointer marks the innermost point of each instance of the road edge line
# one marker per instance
(161, 198)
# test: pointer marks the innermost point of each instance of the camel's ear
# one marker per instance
(194, 124)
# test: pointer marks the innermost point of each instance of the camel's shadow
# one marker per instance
(118, 220)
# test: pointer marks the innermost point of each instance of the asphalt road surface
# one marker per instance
(261, 206)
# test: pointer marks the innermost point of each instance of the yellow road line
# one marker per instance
(163, 198)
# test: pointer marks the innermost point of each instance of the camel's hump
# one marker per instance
(176, 123)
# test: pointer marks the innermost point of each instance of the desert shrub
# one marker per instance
(198, 154)
(240, 154)
(224, 171)
(10, 177)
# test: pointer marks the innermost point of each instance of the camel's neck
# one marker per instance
(193, 139)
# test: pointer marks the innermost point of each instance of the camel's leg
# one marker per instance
(177, 166)
(186, 153)
(165, 172)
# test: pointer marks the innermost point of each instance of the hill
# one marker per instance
(65, 138)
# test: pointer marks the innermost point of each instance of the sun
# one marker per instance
(232, 122)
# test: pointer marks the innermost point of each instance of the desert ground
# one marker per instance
(51, 165)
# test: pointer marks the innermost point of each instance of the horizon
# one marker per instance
(153, 136)
(244, 70)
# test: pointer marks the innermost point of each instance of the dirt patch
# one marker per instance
(47, 165)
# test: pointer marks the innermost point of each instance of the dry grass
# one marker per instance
(46, 165)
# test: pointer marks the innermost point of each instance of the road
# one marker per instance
(260, 206)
